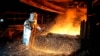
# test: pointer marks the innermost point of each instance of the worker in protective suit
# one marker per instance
(29, 25)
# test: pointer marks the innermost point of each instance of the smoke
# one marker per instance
(75, 16)
(69, 23)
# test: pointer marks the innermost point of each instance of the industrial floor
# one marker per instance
(14, 47)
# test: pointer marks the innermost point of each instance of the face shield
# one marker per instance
(31, 17)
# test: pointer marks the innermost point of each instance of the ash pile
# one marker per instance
(57, 43)
(45, 45)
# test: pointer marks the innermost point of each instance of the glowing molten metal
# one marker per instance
(69, 23)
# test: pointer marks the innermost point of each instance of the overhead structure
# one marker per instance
(48, 5)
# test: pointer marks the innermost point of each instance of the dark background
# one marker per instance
(93, 14)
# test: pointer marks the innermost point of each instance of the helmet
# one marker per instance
(32, 16)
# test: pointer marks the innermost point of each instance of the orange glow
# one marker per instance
(69, 23)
